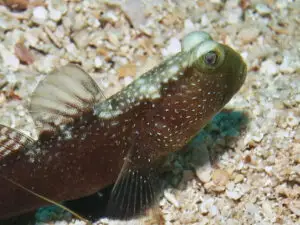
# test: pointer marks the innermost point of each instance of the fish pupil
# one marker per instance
(211, 58)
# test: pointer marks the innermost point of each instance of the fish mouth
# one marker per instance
(243, 72)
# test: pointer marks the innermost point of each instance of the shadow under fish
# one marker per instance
(87, 143)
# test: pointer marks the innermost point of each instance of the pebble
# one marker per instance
(297, 135)
(98, 62)
(138, 17)
(173, 47)
(79, 22)
(59, 5)
(54, 14)
(297, 98)
(248, 35)
(204, 173)
(251, 208)
(286, 65)
(202, 165)
(204, 20)
(233, 195)
(235, 16)
(127, 80)
(213, 210)
(2, 98)
(113, 38)
(220, 177)
(81, 39)
(23, 54)
(127, 70)
(17, 4)
(204, 221)
(93, 22)
(39, 15)
(294, 206)
(281, 4)
(206, 205)
(7, 23)
(257, 137)
(9, 60)
(268, 67)
(110, 16)
(216, 1)
(267, 209)
(263, 9)
(71, 48)
(47, 64)
(292, 120)
(77, 222)
(238, 178)
(171, 198)
(269, 170)
(61, 223)
(236, 191)
(189, 26)
(232, 222)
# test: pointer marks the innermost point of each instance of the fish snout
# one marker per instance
(242, 72)
(240, 77)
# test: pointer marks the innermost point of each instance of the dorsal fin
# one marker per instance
(12, 141)
(63, 96)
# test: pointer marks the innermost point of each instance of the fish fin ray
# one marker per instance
(12, 141)
(62, 97)
(135, 191)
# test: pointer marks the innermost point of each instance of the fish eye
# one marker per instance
(211, 58)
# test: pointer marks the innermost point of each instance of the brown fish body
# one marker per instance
(89, 153)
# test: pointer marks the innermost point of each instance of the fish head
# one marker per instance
(216, 62)
(233, 68)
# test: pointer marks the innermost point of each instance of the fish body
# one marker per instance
(87, 143)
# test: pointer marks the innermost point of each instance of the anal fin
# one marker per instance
(12, 141)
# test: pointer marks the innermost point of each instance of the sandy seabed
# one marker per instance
(255, 175)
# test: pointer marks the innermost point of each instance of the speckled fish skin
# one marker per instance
(155, 115)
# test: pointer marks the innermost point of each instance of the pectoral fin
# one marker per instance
(135, 191)
(62, 97)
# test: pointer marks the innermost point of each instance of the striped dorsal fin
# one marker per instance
(12, 141)
(62, 97)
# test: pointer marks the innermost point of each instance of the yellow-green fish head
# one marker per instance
(215, 62)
